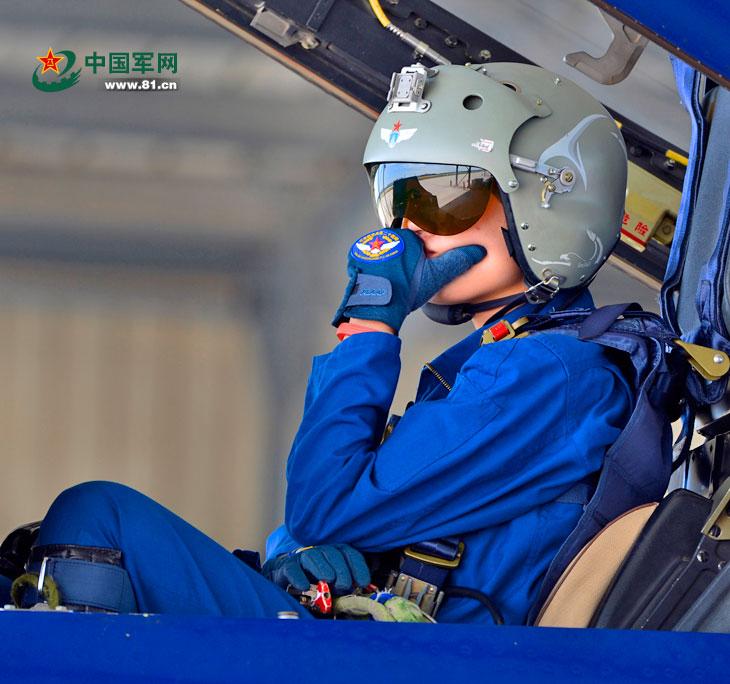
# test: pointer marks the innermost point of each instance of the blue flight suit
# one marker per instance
(526, 419)
(173, 567)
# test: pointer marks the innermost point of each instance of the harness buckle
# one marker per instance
(503, 330)
(422, 574)
(425, 595)
(439, 562)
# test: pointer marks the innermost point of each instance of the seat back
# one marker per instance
(649, 573)
(578, 592)
(696, 305)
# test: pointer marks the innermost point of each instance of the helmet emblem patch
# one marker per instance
(396, 134)
(484, 145)
(377, 246)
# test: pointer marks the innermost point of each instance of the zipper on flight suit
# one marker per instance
(438, 376)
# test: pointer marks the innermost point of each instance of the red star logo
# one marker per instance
(50, 61)
(397, 125)
(377, 243)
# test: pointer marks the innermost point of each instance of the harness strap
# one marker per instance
(602, 319)
(84, 583)
(637, 466)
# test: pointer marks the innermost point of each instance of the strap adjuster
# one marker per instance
(503, 330)
(436, 560)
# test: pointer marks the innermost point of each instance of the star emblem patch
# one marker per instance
(396, 134)
(377, 246)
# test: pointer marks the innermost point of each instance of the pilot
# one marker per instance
(499, 190)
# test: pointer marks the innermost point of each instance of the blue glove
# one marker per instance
(390, 275)
(338, 563)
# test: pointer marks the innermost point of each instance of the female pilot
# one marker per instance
(499, 191)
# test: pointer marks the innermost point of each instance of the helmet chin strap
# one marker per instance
(456, 314)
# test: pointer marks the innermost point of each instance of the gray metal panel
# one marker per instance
(546, 31)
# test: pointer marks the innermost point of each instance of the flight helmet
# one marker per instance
(451, 132)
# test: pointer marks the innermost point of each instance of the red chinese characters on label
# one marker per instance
(635, 232)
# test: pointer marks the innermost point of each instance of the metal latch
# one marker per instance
(555, 180)
(618, 61)
(282, 30)
(543, 291)
(710, 363)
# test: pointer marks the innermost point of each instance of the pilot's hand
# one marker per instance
(340, 565)
(390, 276)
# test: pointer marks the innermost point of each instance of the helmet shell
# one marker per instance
(480, 115)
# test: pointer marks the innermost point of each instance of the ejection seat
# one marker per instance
(664, 565)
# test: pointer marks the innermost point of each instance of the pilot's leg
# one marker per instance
(170, 566)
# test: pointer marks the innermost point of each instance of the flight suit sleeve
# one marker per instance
(280, 541)
(517, 430)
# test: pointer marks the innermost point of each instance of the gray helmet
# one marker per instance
(555, 152)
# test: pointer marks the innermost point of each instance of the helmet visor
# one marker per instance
(443, 199)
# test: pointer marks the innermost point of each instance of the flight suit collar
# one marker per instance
(449, 362)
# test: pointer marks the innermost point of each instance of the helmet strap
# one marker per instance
(512, 240)
(456, 314)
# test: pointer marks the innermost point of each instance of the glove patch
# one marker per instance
(378, 245)
(370, 290)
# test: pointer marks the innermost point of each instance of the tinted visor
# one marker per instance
(443, 199)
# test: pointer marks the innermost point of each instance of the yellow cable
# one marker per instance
(378, 10)
(675, 156)
(669, 154)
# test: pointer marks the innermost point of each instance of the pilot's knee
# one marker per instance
(87, 509)
(79, 548)
(93, 497)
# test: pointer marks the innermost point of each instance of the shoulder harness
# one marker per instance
(669, 377)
